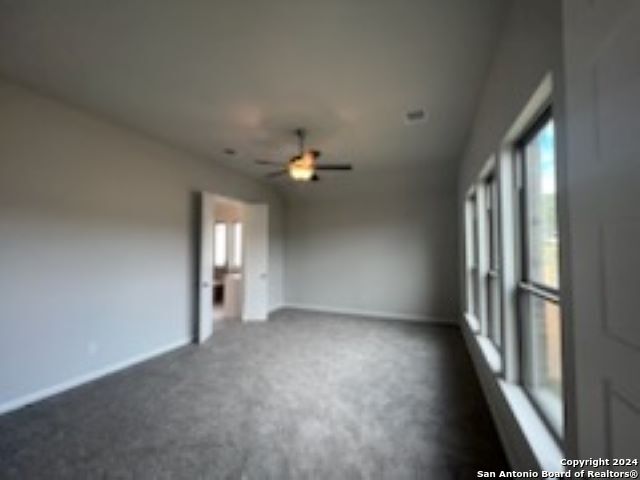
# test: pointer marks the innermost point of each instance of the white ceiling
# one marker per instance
(206, 75)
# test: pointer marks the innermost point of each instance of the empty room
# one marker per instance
(335, 239)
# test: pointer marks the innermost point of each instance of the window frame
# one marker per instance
(522, 182)
(526, 288)
(492, 276)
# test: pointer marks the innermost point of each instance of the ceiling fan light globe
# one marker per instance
(301, 173)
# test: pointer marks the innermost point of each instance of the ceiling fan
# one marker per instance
(304, 166)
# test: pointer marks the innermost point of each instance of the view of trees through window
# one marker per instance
(541, 201)
(542, 329)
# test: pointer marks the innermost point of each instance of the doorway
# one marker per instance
(233, 263)
(227, 260)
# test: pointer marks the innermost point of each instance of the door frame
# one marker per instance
(204, 285)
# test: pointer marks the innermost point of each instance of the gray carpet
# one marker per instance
(303, 396)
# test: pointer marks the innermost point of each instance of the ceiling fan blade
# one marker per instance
(277, 173)
(334, 166)
(268, 162)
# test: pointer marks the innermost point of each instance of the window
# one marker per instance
(237, 245)
(473, 284)
(220, 244)
(492, 247)
(539, 288)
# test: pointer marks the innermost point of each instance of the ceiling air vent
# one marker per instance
(415, 116)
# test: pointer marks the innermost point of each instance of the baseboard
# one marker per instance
(87, 377)
(370, 313)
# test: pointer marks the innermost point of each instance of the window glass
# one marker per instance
(542, 223)
(468, 243)
(541, 319)
(237, 244)
(494, 310)
(220, 244)
(494, 227)
(543, 364)
(475, 280)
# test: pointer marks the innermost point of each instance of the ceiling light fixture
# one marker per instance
(302, 168)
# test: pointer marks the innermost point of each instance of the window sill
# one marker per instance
(491, 354)
(541, 442)
(489, 350)
(473, 323)
(548, 453)
(551, 405)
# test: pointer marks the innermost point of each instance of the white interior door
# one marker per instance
(256, 262)
(205, 296)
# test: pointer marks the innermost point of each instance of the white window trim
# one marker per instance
(490, 169)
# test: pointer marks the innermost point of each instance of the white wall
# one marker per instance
(386, 244)
(530, 47)
(97, 242)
